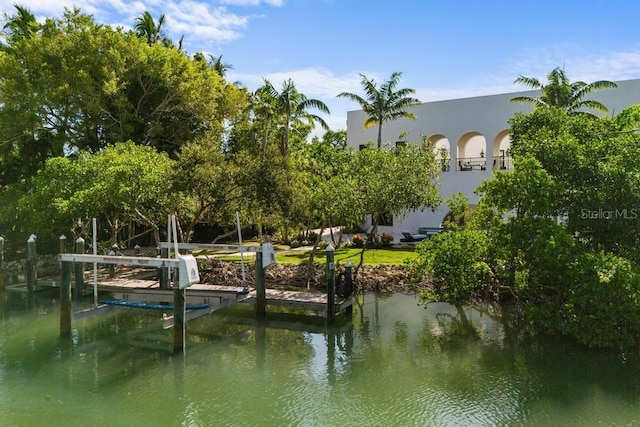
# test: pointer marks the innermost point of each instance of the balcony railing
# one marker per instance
(502, 163)
(471, 163)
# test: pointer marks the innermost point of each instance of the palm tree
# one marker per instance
(220, 67)
(291, 107)
(383, 104)
(21, 25)
(147, 28)
(561, 93)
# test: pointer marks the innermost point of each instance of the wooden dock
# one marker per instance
(216, 296)
(314, 301)
(190, 298)
(140, 285)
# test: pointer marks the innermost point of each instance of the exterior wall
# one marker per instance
(470, 125)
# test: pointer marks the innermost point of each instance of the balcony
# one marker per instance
(502, 163)
(480, 163)
(471, 163)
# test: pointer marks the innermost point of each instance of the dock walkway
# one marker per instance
(139, 285)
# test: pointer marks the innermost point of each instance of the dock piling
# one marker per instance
(348, 267)
(178, 320)
(163, 272)
(112, 267)
(261, 293)
(65, 299)
(331, 285)
(31, 264)
(63, 244)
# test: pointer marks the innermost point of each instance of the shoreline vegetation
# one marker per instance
(378, 278)
(122, 126)
(384, 270)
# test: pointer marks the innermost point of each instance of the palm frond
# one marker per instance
(383, 103)
(353, 97)
(589, 103)
(314, 103)
(531, 82)
(529, 100)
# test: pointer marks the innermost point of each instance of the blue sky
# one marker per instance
(445, 49)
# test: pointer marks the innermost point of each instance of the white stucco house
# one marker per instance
(474, 134)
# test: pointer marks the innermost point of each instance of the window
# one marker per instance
(385, 219)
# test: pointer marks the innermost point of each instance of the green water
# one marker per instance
(395, 364)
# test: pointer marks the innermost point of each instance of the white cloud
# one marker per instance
(578, 64)
(40, 8)
(202, 23)
(612, 66)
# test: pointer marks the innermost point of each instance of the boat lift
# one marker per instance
(188, 275)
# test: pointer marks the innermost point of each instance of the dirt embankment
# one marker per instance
(297, 277)
(383, 278)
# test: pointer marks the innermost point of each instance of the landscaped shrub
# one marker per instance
(358, 241)
(386, 239)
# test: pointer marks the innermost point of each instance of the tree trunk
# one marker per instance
(310, 274)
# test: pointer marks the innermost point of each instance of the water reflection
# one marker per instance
(395, 363)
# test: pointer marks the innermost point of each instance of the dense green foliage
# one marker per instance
(126, 127)
(455, 262)
(70, 84)
(124, 184)
(559, 235)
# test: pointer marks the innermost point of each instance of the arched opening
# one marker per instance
(442, 150)
(501, 157)
(472, 153)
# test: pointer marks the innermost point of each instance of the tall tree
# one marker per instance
(74, 85)
(384, 103)
(207, 178)
(560, 92)
(123, 184)
(147, 28)
(292, 109)
(22, 24)
(576, 277)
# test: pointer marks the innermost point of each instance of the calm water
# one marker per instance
(396, 364)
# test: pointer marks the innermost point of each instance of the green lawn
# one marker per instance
(342, 256)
